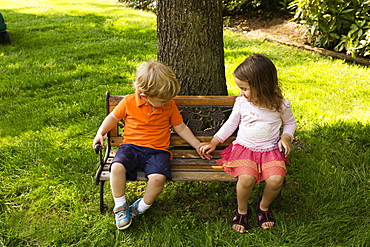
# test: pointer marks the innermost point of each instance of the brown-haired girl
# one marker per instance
(256, 154)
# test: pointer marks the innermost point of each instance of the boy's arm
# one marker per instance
(109, 122)
(185, 133)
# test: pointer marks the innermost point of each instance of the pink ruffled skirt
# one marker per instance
(238, 160)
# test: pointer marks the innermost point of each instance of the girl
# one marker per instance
(257, 153)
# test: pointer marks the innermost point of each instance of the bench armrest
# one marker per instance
(97, 148)
(99, 151)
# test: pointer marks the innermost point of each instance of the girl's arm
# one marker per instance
(225, 131)
(289, 127)
(185, 133)
(231, 124)
(109, 122)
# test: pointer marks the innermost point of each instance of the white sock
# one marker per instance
(119, 201)
(142, 207)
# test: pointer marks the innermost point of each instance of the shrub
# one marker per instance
(255, 7)
(337, 24)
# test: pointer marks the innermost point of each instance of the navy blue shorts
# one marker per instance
(147, 159)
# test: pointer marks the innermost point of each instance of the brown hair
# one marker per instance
(156, 79)
(261, 75)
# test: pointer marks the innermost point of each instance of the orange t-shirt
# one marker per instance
(144, 127)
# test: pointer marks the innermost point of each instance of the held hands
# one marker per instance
(202, 154)
(206, 149)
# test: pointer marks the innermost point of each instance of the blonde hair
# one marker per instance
(156, 79)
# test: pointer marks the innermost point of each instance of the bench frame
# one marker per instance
(204, 115)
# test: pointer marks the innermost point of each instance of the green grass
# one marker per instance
(53, 77)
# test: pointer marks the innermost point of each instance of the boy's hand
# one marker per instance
(98, 139)
(202, 154)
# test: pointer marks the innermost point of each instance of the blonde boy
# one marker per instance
(148, 115)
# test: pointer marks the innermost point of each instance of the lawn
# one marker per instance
(65, 55)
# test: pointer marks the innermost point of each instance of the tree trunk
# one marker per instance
(190, 41)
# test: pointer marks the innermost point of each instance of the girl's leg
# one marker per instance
(154, 187)
(272, 189)
(244, 189)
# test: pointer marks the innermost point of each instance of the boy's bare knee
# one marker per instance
(117, 168)
(157, 179)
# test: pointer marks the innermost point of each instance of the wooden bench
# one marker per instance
(204, 115)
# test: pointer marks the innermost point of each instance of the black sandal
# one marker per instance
(264, 216)
(240, 219)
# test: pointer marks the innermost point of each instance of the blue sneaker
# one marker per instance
(134, 211)
(123, 217)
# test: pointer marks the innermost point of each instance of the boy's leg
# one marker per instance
(272, 189)
(118, 180)
(157, 170)
(154, 187)
(244, 188)
(118, 187)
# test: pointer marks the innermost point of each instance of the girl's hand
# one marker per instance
(285, 142)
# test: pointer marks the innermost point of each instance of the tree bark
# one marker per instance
(190, 41)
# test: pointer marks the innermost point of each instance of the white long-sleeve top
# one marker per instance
(259, 128)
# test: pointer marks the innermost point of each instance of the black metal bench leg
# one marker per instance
(102, 210)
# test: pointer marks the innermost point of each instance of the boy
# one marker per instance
(148, 115)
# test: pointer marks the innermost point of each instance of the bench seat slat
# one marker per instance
(178, 153)
(186, 176)
(192, 162)
(186, 154)
(196, 176)
(187, 164)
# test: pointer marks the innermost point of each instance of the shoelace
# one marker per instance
(120, 214)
